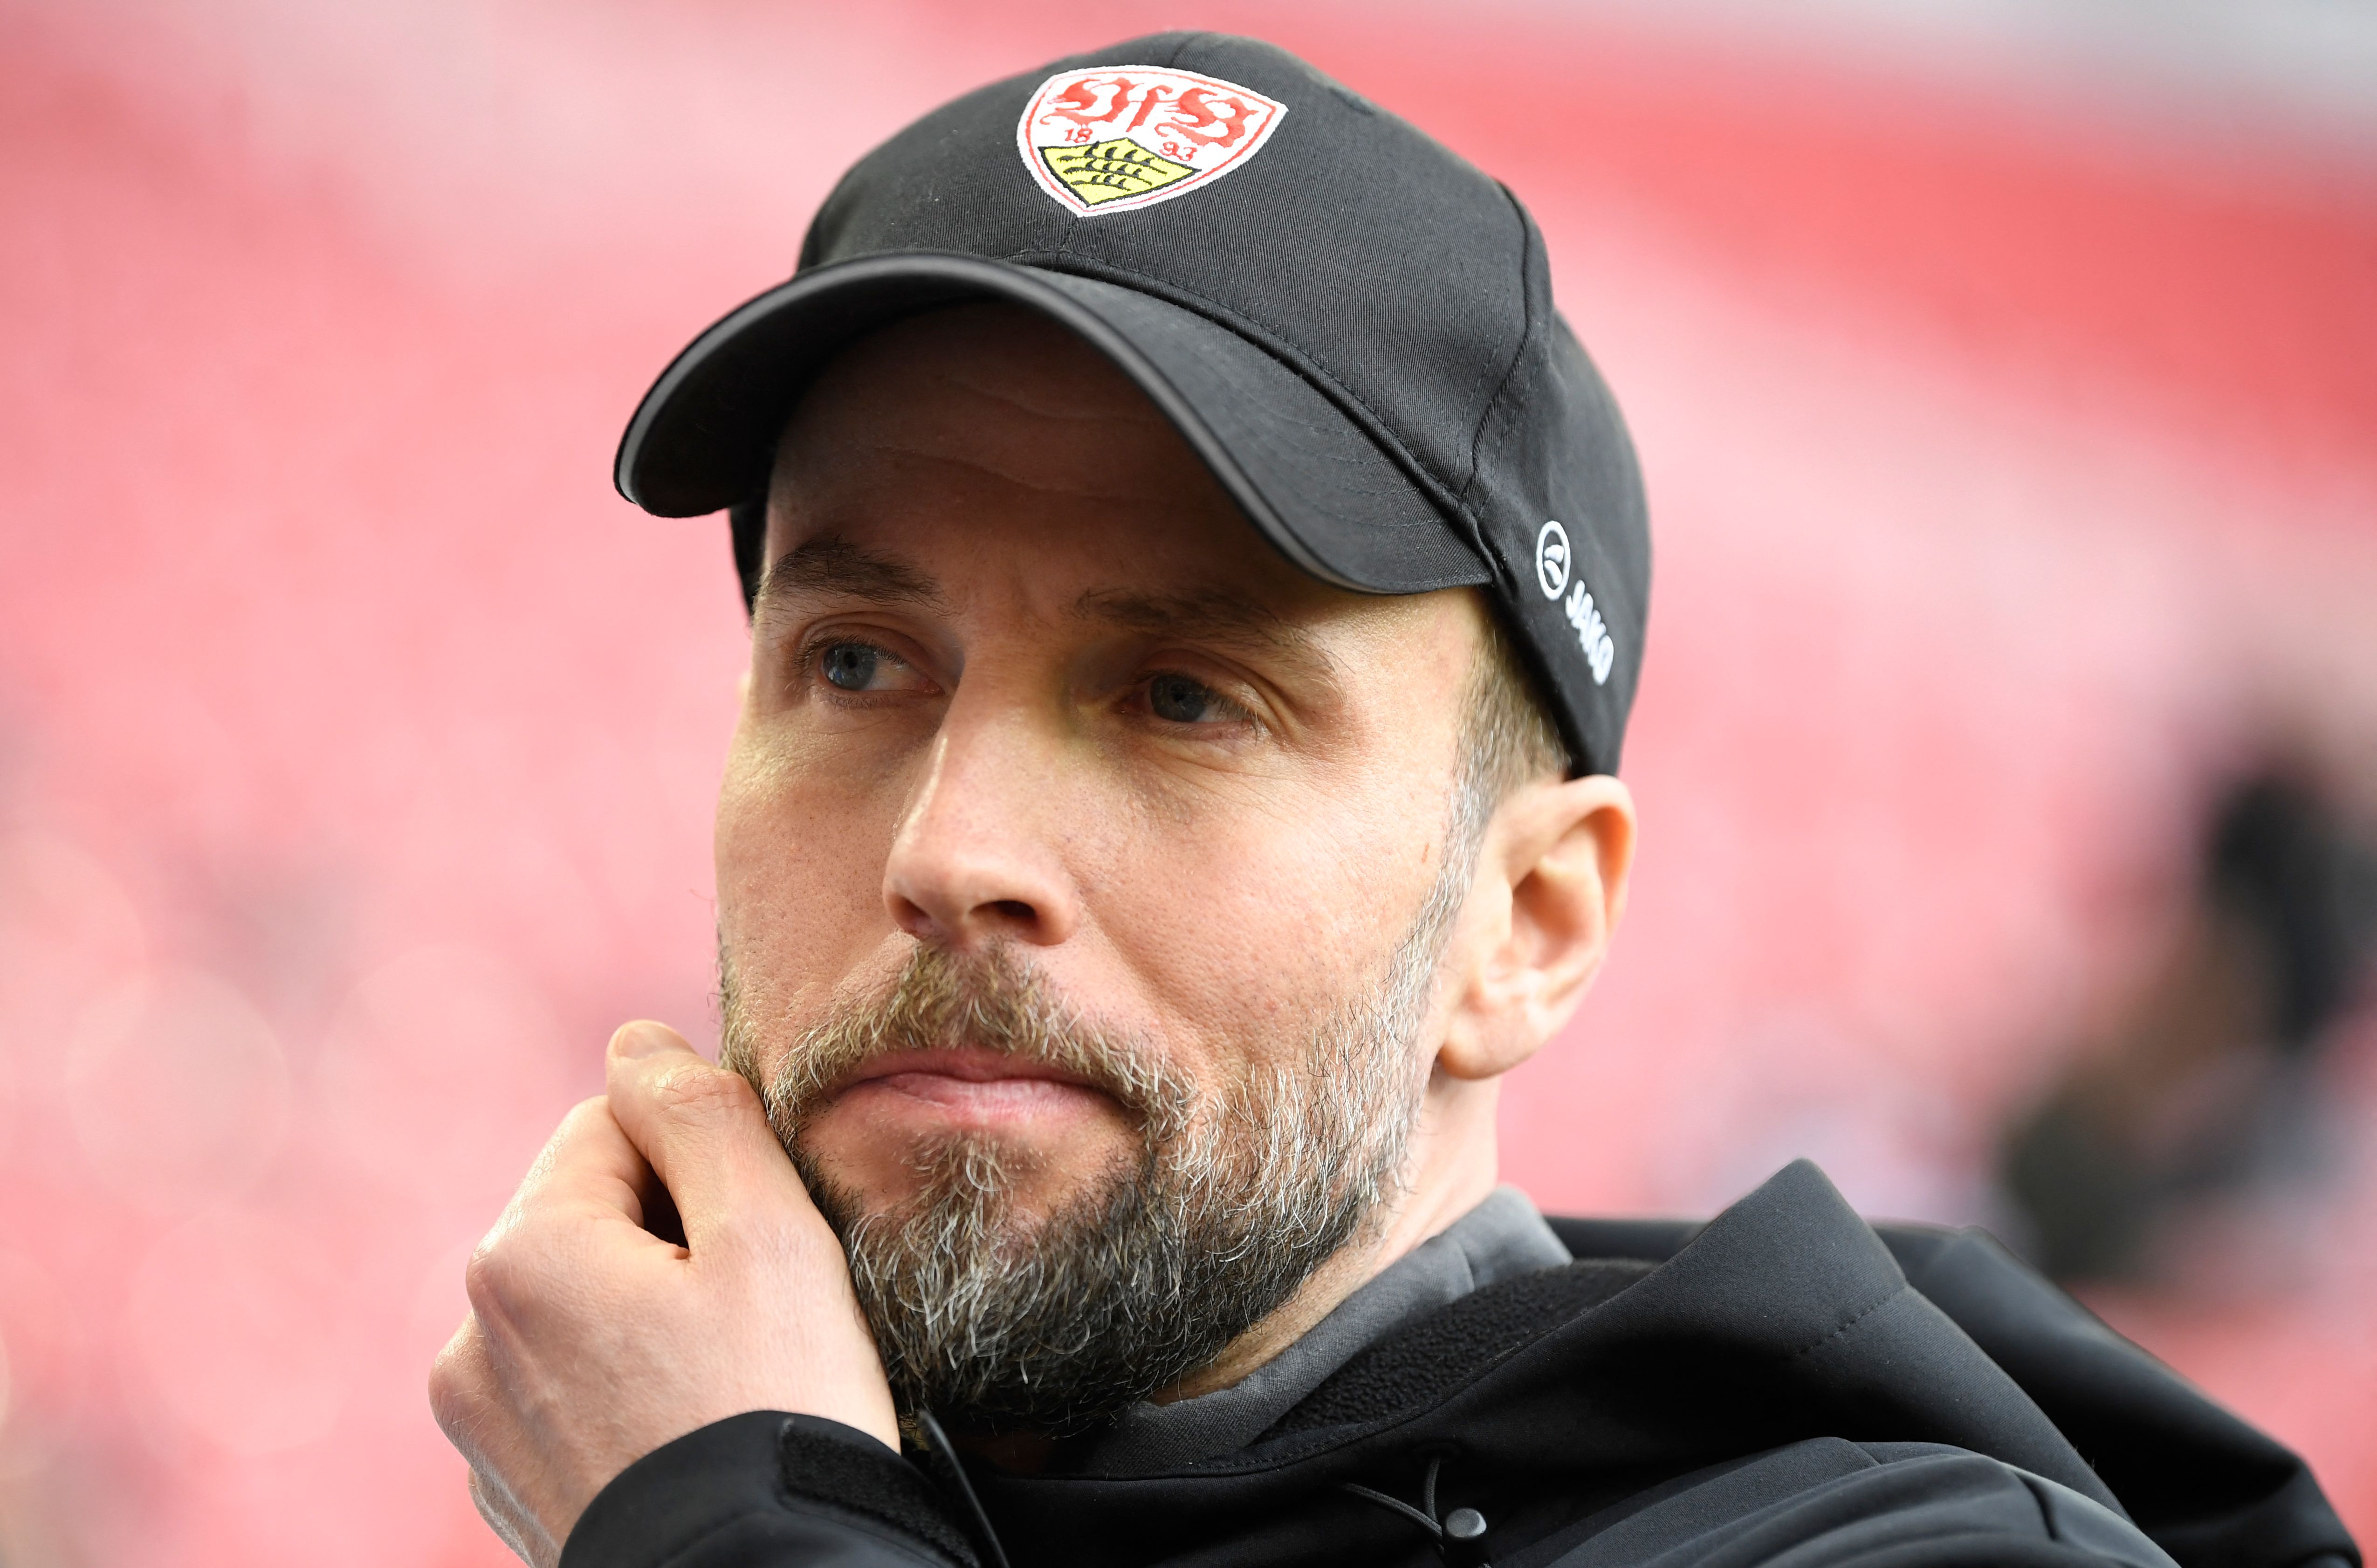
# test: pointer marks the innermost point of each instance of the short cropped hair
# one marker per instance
(1507, 734)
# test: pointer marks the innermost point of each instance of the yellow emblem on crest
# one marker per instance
(1108, 171)
(1117, 139)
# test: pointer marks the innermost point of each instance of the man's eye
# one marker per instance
(852, 666)
(1182, 700)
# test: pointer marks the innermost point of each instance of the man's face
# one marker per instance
(1039, 728)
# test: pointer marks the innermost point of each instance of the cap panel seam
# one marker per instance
(1505, 430)
(1530, 328)
(1455, 490)
(1279, 347)
(1518, 352)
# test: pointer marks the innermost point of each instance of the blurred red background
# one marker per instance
(2008, 398)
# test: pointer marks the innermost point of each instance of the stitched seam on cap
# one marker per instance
(1505, 433)
(1518, 353)
(1527, 329)
(1485, 369)
(1521, 375)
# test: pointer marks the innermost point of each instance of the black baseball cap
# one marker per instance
(1351, 326)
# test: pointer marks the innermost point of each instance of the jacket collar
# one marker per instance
(1786, 1318)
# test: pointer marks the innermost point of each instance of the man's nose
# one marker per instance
(978, 857)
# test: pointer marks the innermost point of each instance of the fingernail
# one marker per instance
(641, 1039)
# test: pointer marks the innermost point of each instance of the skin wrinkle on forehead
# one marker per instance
(1084, 398)
(1069, 403)
(894, 447)
(894, 457)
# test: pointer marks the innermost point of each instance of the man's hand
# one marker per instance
(592, 1341)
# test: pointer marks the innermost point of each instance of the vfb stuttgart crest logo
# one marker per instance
(1115, 138)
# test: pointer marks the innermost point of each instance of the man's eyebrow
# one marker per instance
(1213, 614)
(831, 564)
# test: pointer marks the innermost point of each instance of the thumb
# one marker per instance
(703, 1132)
(642, 1037)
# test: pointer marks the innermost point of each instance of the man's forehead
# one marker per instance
(950, 436)
(943, 373)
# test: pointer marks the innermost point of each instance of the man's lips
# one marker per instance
(966, 1080)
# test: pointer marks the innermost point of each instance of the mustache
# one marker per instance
(994, 1000)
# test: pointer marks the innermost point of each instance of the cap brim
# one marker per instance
(1309, 479)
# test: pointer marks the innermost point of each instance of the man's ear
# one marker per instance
(1549, 890)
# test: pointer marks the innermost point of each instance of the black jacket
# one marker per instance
(1783, 1385)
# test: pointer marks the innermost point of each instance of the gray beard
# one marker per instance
(1235, 1196)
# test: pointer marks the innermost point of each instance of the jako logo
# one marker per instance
(1551, 560)
(1552, 563)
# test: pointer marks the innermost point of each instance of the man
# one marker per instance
(1197, 586)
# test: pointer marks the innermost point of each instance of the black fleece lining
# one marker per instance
(823, 1467)
(1449, 1347)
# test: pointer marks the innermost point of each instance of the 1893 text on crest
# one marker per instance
(1115, 138)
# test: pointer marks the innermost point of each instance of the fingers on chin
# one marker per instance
(682, 1094)
(588, 1153)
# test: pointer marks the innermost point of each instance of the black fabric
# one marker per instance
(817, 1460)
(1831, 1502)
(1355, 331)
(768, 1488)
(1772, 1388)
(1449, 1347)
(2209, 1489)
